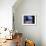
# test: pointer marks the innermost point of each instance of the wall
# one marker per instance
(6, 13)
(32, 32)
(43, 22)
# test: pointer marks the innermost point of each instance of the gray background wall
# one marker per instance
(6, 13)
(32, 32)
(27, 8)
(43, 22)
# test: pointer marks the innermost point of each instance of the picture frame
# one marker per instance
(29, 20)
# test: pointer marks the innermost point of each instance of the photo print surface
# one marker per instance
(29, 19)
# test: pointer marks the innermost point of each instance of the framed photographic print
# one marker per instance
(29, 20)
